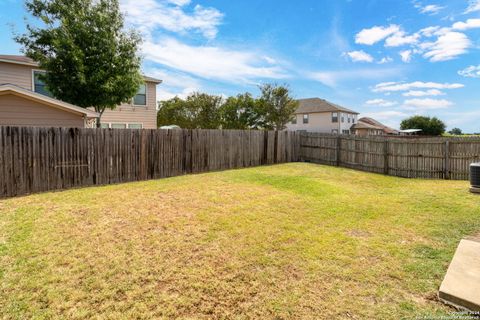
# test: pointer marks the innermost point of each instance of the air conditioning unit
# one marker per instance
(475, 177)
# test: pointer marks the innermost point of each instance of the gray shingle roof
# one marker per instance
(316, 105)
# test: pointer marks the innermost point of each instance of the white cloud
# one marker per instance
(180, 2)
(426, 104)
(406, 55)
(380, 103)
(431, 9)
(469, 24)
(385, 60)
(447, 47)
(211, 62)
(474, 5)
(375, 34)
(402, 86)
(429, 31)
(359, 56)
(400, 39)
(147, 15)
(332, 78)
(164, 94)
(470, 72)
(173, 79)
(419, 93)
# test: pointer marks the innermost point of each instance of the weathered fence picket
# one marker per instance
(41, 159)
(438, 158)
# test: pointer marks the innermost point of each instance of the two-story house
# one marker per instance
(24, 101)
(319, 115)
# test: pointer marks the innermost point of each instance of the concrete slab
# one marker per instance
(461, 285)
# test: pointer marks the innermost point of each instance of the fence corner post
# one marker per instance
(446, 174)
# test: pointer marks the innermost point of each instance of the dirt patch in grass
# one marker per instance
(287, 242)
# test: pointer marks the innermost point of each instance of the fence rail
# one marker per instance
(439, 158)
(41, 159)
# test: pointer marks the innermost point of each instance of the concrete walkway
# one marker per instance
(461, 285)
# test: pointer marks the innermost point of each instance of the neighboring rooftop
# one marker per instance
(17, 59)
(18, 91)
(370, 123)
(30, 62)
(317, 105)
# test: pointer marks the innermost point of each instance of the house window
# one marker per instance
(334, 116)
(334, 131)
(141, 98)
(305, 118)
(348, 117)
(294, 120)
(39, 85)
(118, 126)
(353, 118)
(135, 126)
(104, 125)
(343, 117)
(346, 131)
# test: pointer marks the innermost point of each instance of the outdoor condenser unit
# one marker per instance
(475, 177)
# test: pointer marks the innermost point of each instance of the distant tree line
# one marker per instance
(272, 110)
(430, 126)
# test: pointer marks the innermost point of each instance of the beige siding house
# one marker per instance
(319, 115)
(371, 127)
(30, 101)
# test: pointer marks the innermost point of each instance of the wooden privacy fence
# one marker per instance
(41, 159)
(439, 158)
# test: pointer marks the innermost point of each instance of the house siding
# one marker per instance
(19, 111)
(21, 75)
(130, 114)
(17, 74)
(320, 122)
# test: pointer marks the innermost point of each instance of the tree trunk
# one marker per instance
(99, 124)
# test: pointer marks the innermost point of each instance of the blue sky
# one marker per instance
(388, 59)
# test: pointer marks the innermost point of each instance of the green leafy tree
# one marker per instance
(276, 107)
(239, 112)
(197, 111)
(174, 112)
(430, 126)
(456, 131)
(90, 60)
(204, 110)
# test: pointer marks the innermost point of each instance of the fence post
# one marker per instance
(386, 160)
(339, 144)
(447, 160)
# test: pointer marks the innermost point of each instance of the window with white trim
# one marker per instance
(118, 125)
(135, 126)
(334, 117)
(39, 85)
(141, 97)
(104, 125)
(305, 118)
(294, 120)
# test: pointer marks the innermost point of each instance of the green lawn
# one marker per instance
(286, 241)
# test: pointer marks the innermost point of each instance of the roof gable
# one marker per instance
(27, 94)
(317, 105)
